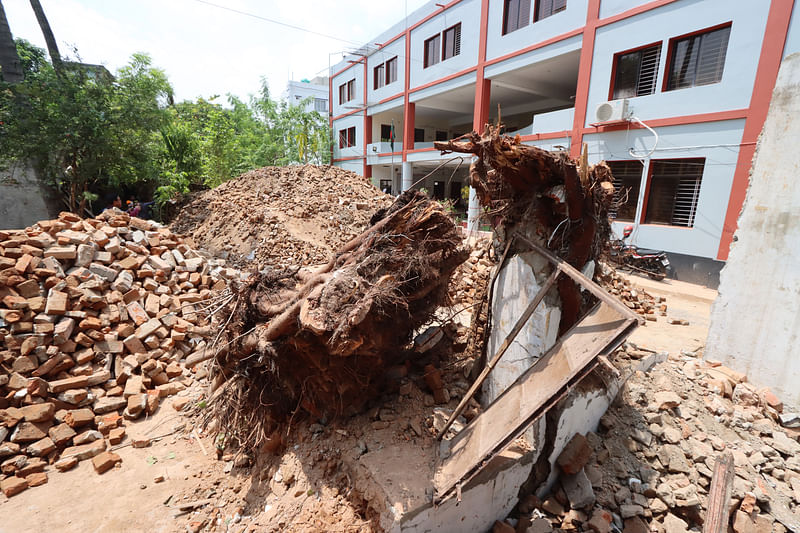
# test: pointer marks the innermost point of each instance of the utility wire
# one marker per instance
(278, 22)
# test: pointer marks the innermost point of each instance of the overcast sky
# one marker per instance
(206, 50)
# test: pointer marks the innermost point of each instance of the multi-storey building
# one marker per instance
(671, 93)
(313, 93)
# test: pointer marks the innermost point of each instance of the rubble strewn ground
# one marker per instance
(96, 316)
(649, 466)
(281, 216)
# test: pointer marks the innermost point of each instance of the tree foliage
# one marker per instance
(86, 131)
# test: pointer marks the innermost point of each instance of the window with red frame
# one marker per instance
(451, 42)
(627, 182)
(347, 91)
(391, 70)
(347, 137)
(432, 50)
(378, 77)
(697, 59)
(516, 15)
(635, 73)
(673, 191)
(546, 8)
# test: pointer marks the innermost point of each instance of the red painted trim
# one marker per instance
(638, 10)
(367, 171)
(348, 67)
(615, 61)
(398, 95)
(483, 87)
(353, 112)
(769, 62)
(671, 48)
(350, 158)
(536, 46)
(442, 80)
(545, 136)
(408, 107)
(419, 150)
(584, 75)
(671, 121)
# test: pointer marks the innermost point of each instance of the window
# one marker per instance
(698, 59)
(386, 132)
(347, 137)
(379, 79)
(636, 72)
(516, 15)
(432, 51)
(441, 135)
(627, 179)
(391, 70)
(452, 42)
(386, 186)
(455, 191)
(419, 135)
(320, 105)
(673, 190)
(545, 8)
(347, 91)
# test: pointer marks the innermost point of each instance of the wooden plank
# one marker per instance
(530, 395)
(521, 321)
(718, 505)
(582, 280)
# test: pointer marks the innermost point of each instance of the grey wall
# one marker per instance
(755, 321)
(22, 200)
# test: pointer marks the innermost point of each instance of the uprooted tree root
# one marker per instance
(320, 343)
(522, 187)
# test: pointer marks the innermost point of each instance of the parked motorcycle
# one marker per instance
(654, 263)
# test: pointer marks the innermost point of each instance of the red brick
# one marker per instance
(105, 461)
(575, 455)
(13, 485)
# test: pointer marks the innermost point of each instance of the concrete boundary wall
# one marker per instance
(755, 321)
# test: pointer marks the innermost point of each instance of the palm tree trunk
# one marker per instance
(10, 66)
(49, 38)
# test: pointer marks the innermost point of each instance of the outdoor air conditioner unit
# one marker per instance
(613, 111)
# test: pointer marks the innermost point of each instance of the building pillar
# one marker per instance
(408, 175)
(480, 115)
(584, 74)
(408, 127)
(367, 141)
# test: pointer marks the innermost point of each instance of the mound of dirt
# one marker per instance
(281, 216)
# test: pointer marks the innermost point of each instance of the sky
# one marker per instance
(206, 50)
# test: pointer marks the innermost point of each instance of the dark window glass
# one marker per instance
(516, 15)
(386, 132)
(391, 71)
(441, 135)
(351, 136)
(545, 8)
(379, 80)
(342, 93)
(452, 42)
(636, 72)
(673, 191)
(351, 89)
(627, 180)
(698, 60)
(432, 50)
(419, 135)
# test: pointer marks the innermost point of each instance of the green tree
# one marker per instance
(83, 127)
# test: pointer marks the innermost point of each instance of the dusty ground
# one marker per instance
(81, 500)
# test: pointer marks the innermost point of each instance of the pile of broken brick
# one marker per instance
(638, 300)
(650, 464)
(95, 317)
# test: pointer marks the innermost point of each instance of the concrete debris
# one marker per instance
(89, 308)
(655, 451)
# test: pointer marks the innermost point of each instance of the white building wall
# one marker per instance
(356, 120)
(497, 44)
(297, 91)
(755, 320)
(355, 72)
(679, 142)
(609, 8)
(468, 14)
(673, 20)
(394, 49)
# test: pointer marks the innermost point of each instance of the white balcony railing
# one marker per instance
(380, 149)
(553, 121)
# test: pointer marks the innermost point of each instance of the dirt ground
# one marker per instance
(127, 498)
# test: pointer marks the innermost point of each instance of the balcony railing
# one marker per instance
(380, 149)
(553, 121)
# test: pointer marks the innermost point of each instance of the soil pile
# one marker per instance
(281, 216)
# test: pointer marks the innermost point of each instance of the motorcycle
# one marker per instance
(654, 263)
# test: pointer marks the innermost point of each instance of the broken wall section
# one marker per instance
(756, 317)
